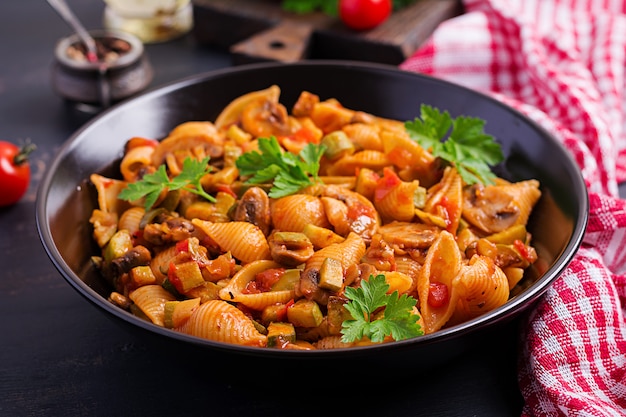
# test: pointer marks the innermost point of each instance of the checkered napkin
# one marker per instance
(563, 64)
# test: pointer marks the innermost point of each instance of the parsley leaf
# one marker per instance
(467, 148)
(397, 321)
(151, 185)
(289, 172)
(330, 7)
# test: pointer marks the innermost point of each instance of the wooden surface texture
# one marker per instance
(260, 30)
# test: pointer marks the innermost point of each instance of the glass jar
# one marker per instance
(150, 20)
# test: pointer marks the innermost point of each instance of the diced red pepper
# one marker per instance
(385, 184)
(225, 188)
(522, 249)
(267, 278)
(173, 278)
(438, 294)
(182, 246)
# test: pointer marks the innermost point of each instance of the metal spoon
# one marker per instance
(61, 7)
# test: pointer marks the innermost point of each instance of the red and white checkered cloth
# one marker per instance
(562, 63)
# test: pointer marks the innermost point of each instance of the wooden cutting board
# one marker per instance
(259, 30)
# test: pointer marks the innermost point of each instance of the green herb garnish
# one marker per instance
(468, 148)
(151, 185)
(289, 172)
(308, 6)
(330, 7)
(397, 321)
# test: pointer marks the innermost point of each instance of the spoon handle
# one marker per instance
(66, 13)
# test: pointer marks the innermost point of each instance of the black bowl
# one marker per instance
(66, 198)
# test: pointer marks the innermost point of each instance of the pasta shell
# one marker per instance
(348, 252)
(151, 300)
(134, 161)
(525, 195)
(160, 263)
(194, 139)
(364, 136)
(409, 267)
(446, 199)
(233, 291)
(131, 218)
(243, 240)
(405, 152)
(330, 116)
(399, 203)
(292, 213)
(441, 267)
(495, 208)
(108, 189)
(332, 342)
(348, 165)
(222, 322)
(484, 287)
(231, 114)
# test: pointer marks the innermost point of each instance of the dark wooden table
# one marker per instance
(60, 356)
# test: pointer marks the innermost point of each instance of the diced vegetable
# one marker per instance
(120, 243)
(142, 275)
(331, 274)
(337, 145)
(185, 276)
(305, 313)
(320, 236)
(288, 280)
(337, 314)
(279, 334)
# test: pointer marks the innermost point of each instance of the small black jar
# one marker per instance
(122, 70)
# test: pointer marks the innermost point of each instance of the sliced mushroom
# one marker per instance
(254, 207)
(489, 209)
(290, 248)
(268, 118)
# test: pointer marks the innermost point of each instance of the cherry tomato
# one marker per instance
(14, 172)
(364, 14)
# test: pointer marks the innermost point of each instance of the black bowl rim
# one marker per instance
(513, 308)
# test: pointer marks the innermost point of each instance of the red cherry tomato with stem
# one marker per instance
(14, 172)
(364, 14)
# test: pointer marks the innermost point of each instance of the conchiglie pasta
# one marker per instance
(245, 241)
(348, 165)
(483, 286)
(330, 116)
(108, 189)
(151, 300)
(399, 203)
(364, 136)
(348, 252)
(131, 219)
(136, 160)
(292, 213)
(439, 276)
(160, 263)
(222, 322)
(234, 290)
(445, 200)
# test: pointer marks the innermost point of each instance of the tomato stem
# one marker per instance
(22, 156)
